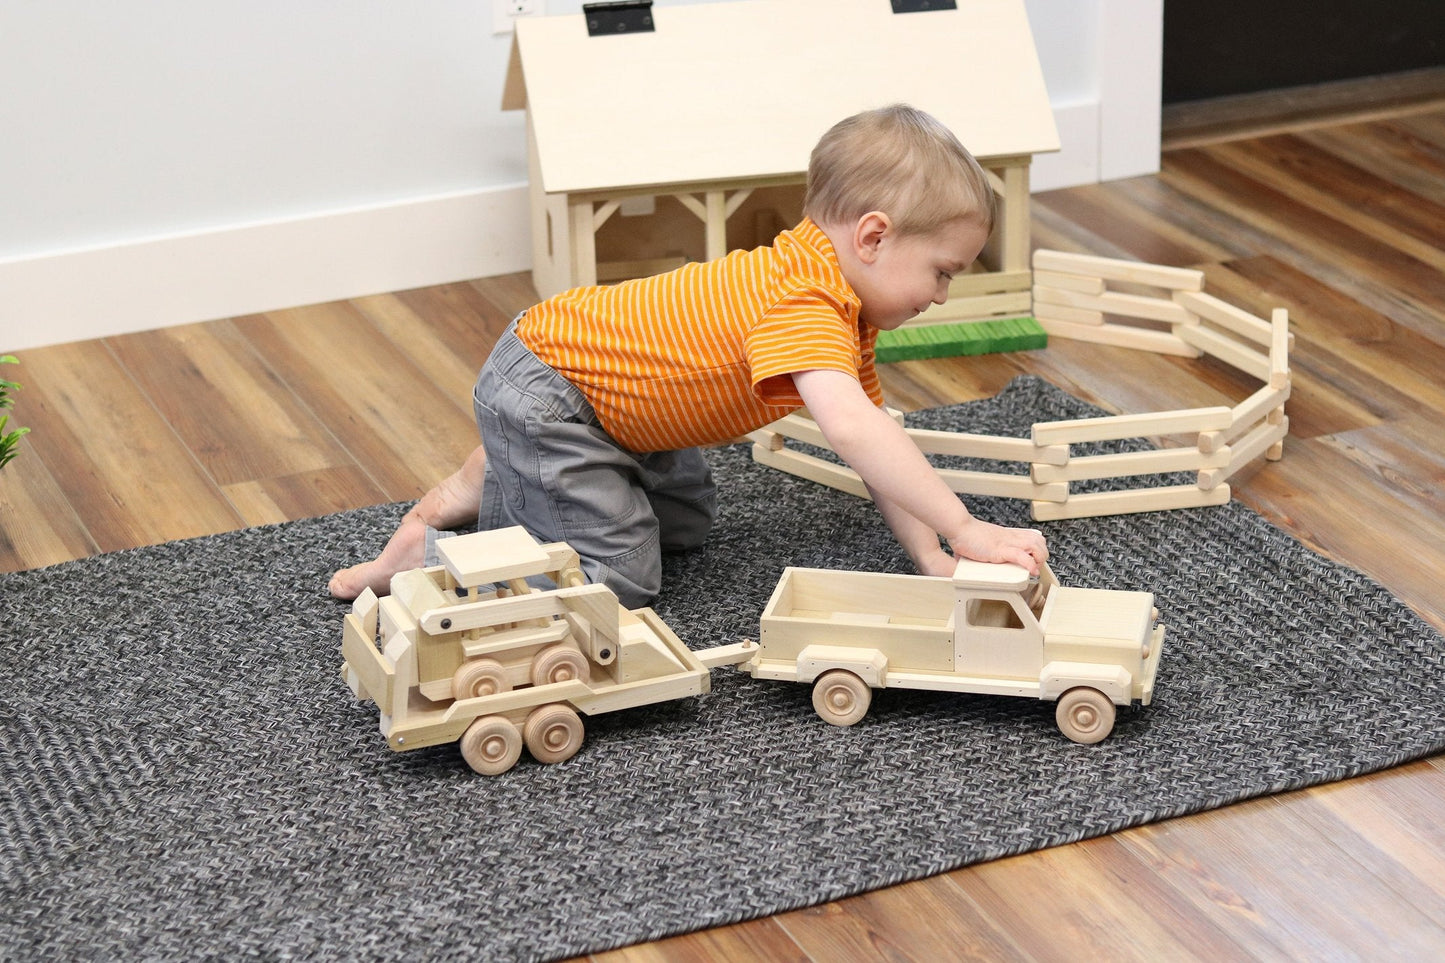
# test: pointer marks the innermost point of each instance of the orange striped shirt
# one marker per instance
(705, 353)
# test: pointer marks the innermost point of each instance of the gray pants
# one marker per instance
(554, 471)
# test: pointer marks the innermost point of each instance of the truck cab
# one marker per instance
(1011, 626)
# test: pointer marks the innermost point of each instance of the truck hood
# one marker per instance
(1097, 615)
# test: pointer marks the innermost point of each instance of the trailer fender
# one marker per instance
(1112, 680)
(870, 665)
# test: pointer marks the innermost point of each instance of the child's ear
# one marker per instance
(868, 235)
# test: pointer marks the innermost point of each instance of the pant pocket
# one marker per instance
(511, 461)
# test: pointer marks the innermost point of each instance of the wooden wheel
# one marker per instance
(553, 733)
(840, 697)
(1085, 715)
(560, 663)
(491, 745)
(479, 677)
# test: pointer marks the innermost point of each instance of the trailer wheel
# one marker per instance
(553, 733)
(840, 697)
(479, 677)
(560, 663)
(491, 745)
(1085, 715)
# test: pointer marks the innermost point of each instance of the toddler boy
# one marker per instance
(594, 404)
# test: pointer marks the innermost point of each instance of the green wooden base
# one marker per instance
(962, 338)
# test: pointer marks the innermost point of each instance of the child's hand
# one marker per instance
(987, 542)
(937, 562)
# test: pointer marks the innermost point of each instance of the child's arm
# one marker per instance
(914, 500)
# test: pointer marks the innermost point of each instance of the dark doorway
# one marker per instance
(1223, 47)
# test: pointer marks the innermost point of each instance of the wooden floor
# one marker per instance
(204, 428)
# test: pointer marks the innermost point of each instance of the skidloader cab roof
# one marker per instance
(994, 576)
(492, 556)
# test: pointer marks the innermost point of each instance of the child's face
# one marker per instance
(898, 276)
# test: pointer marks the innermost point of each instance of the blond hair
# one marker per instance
(903, 162)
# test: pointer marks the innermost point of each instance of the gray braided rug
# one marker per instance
(187, 777)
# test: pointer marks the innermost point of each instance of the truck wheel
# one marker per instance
(1085, 715)
(479, 677)
(560, 663)
(840, 697)
(553, 733)
(491, 745)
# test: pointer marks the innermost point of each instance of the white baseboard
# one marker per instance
(244, 269)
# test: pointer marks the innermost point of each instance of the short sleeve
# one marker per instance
(809, 329)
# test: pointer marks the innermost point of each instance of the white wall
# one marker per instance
(164, 161)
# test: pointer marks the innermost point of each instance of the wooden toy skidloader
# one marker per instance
(988, 629)
(468, 650)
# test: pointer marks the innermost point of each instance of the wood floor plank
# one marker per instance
(510, 293)
(404, 430)
(1408, 152)
(754, 940)
(1380, 533)
(1357, 351)
(127, 475)
(914, 921)
(1137, 231)
(228, 406)
(1406, 457)
(1394, 824)
(304, 495)
(1270, 877)
(38, 526)
(1411, 223)
(446, 332)
(911, 385)
(1056, 232)
(1200, 213)
(1377, 274)
(1093, 901)
(1429, 129)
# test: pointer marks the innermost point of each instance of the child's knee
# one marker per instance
(684, 524)
(635, 577)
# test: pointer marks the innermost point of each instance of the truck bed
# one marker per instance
(909, 615)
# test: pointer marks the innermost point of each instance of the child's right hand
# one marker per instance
(986, 542)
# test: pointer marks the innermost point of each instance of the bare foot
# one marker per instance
(457, 498)
(451, 503)
(406, 549)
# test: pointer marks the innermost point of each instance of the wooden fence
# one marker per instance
(1127, 304)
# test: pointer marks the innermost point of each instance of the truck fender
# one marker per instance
(1112, 680)
(870, 665)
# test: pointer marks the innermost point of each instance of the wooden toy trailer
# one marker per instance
(1127, 304)
(470, 651)
(988, 629)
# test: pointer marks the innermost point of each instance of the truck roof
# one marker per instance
(997, 576)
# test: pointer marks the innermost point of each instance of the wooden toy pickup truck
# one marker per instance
(468, 650)
(988, 629)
